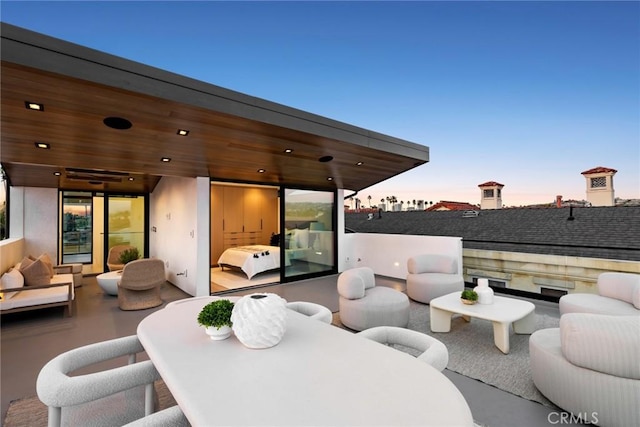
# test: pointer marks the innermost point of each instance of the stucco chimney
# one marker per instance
(559, 201)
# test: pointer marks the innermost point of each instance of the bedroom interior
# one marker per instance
(246, 236)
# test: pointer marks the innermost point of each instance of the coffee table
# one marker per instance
(109, 281)
(502, 313)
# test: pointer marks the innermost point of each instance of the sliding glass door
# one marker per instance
(126, 222)
(309, 242)
(77, 227)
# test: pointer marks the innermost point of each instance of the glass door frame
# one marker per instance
(145, 232)
(283, 248)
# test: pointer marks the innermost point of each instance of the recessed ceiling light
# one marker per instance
(261, 171)
(131, 178)
(166, 159)
(117, 123)
(57, 173)
(288, 150)
(43, 145)
(34, 106)
(325, 159)
(359, 163)
(330, 178)
(183, 132)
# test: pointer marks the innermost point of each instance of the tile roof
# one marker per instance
(491, 184)
(599, 169)
(452, 206)
(595, 232)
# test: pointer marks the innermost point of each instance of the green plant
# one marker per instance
(470, 295)
(129, 255)
(216, 314)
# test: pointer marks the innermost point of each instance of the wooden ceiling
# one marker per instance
(85, 154)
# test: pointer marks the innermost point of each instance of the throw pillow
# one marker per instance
(36, 273)
(47, 261)
(12, 279)
(302, 238)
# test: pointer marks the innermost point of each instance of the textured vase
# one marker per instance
(485, 293)
(259, 320)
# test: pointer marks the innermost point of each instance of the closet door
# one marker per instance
(233, 213)
(217, 217)
(269, 214)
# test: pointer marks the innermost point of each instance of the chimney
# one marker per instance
(558, 201)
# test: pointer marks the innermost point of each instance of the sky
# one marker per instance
(528, 94)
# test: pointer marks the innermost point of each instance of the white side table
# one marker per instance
(109, 281)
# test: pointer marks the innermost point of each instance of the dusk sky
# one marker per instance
(528, 94)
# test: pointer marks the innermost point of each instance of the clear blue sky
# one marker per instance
(529, 94)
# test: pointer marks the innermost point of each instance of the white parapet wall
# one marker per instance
(387, 254)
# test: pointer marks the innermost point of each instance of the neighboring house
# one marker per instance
(544, 251)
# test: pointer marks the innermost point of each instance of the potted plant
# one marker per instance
(129, 255)
(216, 318)
(469, 297)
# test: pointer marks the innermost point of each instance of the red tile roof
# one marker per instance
(452, 206)
(491, 184)
(599, 169)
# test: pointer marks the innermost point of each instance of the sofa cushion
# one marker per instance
(36, 273)
(432, 263)
(12, 279)
(47, 261)
(603, 343)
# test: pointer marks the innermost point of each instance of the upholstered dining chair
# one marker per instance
(434, 352)
(139, 286)
(170, 417)
(104, 398)
(313, 310)
(113, 259)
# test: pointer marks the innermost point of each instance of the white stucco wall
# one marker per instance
(33, 211)
(173, 215)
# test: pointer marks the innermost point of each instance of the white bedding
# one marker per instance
(252, 259)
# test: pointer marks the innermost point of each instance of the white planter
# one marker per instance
(221, 333)
(259, 320)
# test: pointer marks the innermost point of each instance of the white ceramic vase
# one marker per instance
(485, 293)
(259, 320)
(221, 333)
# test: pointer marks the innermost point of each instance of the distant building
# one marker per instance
(491, 195)
(452, 206)
(600, 190)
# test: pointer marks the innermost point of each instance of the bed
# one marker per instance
(252, 259)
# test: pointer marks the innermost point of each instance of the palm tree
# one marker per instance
(382, 201)
(369, 198)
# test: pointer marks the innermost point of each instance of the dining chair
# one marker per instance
(107, 397)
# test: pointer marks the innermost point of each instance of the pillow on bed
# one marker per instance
(290, 239)
(302, 238)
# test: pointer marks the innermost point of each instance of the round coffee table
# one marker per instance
(109, 281)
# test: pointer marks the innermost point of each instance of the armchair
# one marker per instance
(589, 367)
(618, 293)
(139, 286)
(113, 259)
(431, 276)
(364, 305)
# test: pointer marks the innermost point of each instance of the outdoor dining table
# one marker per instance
(318, 374)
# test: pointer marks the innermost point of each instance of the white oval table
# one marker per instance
(318, 374)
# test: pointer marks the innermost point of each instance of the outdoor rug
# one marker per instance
(473, 354)
(31, 412)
